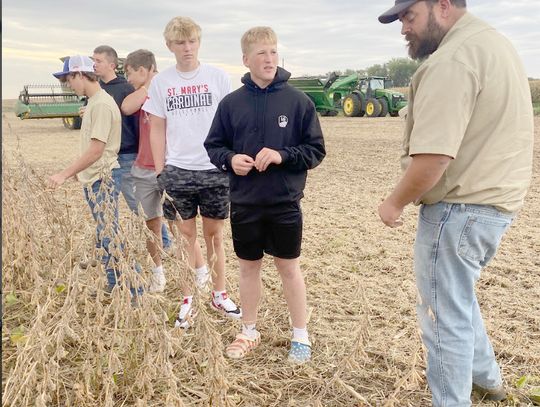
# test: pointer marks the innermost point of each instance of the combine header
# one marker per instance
(50, 101)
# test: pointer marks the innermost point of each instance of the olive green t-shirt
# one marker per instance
(101, 121)
(470, 100)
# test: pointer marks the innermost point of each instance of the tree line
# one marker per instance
(399, 70)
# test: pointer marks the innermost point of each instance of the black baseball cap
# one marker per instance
(392, 14)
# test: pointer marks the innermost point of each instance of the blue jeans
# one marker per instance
(453, 243)
(126, 186)
(102, 198)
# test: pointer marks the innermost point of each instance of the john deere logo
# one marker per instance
(282, 121)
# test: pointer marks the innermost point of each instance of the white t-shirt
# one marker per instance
(188, 102)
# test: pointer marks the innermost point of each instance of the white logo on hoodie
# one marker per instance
(283, 121)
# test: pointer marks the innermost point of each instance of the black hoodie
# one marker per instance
(279, 117)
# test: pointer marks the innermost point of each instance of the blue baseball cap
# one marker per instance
(76, 63)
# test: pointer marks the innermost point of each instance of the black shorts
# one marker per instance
(190, 192)
(275, 230)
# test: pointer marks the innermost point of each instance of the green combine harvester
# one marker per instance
(352, 94)
(50, 101)
(54, 101)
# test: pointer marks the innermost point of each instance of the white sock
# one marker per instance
(300, 335)
(249, 330)
(158, 269)
(201, 270)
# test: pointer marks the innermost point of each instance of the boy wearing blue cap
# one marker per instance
(97, 167)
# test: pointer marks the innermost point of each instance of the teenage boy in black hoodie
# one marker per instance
(266, 135)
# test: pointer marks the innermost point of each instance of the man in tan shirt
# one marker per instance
(467, 159)
(97, 166)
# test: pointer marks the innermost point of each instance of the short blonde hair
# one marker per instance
(257, 34)
(181, 28)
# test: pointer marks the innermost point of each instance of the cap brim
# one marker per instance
(58, 75)
(393, 14)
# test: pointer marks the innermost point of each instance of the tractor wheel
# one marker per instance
(384, 107)
(362, 99)
(72, 123)
(373, 108)
(351, 105)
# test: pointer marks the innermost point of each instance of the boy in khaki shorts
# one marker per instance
(182, 101)
(266, 135)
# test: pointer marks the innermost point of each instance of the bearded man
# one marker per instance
(467, 160)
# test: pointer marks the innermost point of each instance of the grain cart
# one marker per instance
(317, 90)
(373, 98)
(54, 101)
(327, 95)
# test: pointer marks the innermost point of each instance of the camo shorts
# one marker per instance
(191, 192)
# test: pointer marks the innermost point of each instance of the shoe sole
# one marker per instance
(223, 312)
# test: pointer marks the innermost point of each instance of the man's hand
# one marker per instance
(54, 181)
(390, 213)
(265, 157)
(82, 109)
(242, 164)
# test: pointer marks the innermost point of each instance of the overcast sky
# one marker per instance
(315, 36)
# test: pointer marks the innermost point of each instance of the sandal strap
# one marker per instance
(243, 344)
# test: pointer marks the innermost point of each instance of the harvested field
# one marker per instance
(64, 344)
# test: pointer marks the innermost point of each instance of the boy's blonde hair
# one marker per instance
(181, 28)
(257, 34)
(141, 57)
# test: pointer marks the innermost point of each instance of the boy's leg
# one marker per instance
(153, 244)
(215, 252)
(250, 289)
(102, 198)
(250, 295)
(294, 289)
(188, 233)
(284, 244)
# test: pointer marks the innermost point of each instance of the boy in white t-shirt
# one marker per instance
(182, 101)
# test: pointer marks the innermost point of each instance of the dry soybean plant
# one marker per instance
(65, 341)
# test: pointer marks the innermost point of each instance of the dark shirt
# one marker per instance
(119, 88)
(278, 117)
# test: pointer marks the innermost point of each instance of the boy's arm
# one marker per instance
(157, 141)
(89, 156)
(217, 143)
(133, 102)
(311, 151)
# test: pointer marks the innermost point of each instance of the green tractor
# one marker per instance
(353, 95)
(373, 97)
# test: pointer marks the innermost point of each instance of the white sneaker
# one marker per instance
(184, 319)
(157, 282)
(226, 306)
